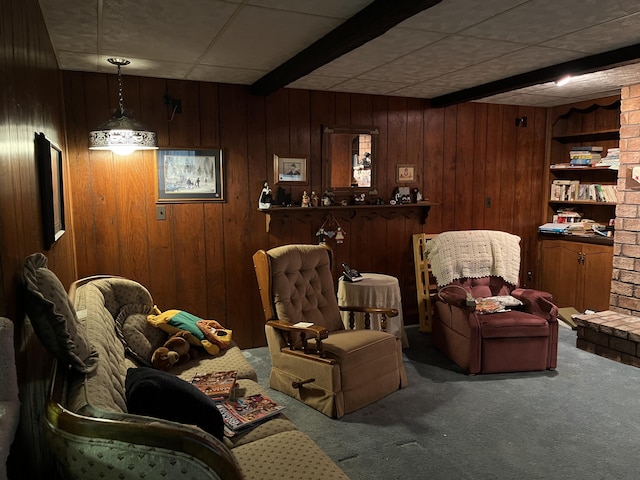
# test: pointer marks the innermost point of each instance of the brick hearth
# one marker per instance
(610, 334)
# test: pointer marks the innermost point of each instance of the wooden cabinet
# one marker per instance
(577, 274)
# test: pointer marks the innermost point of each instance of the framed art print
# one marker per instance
(405, 173)
(290, 170)
(190, 175)
(50, 179)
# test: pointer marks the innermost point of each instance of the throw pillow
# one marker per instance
(54, 317)
(159, 394)
(136, 335)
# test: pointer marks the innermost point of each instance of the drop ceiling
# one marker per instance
(451, 47)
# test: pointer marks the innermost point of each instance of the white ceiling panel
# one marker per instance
(452, 46)
(264, 38)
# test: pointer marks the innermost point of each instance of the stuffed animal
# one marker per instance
(215, 333)
(172, 321)
(176, 350)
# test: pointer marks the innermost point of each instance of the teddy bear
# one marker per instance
(175, 351)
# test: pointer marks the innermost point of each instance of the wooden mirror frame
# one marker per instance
(333, 163)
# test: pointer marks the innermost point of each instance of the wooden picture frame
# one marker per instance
(51, 185)
(290, 170)
(405, 173)
(185, 175)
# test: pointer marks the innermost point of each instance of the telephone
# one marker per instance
(350, 275)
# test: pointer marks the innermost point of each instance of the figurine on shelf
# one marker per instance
(305, 199)
(265, 196)
(327, 198)
(315, 201)
(321, 234)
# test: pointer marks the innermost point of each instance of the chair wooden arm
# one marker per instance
(312, 331)
(384, 312)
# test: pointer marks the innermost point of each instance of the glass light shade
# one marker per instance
(122, 135)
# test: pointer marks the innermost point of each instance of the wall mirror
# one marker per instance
(349, 158)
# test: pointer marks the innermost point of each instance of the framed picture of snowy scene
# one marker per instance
(190, 175)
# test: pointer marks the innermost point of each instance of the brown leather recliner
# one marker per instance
(520, 338)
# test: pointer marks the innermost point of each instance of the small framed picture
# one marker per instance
(189, 175)
(290, 170)
(405, 173)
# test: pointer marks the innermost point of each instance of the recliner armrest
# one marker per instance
(537, 302)
(457, 296)
(384, 312)
(316, 332)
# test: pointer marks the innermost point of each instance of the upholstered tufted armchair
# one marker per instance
(319, 362)
(484, 322)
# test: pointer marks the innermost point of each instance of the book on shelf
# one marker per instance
(561, 228)
(564, 190)
(573, 190)
(246, 412)
(216, 385)
(584, 158)
(587, 148)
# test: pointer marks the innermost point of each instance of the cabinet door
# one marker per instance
(598, 269)
(559, 271)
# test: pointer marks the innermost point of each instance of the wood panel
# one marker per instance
(463, 154)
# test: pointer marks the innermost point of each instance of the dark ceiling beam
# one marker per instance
(593, 63)
(369, 23)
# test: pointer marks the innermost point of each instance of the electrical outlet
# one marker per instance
(161, 212)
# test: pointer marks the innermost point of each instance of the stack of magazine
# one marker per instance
(246, 412)
(238, 413)
(216, 385)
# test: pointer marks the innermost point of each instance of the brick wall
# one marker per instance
(625, 287)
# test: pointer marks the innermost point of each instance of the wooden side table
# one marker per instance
(374, 290)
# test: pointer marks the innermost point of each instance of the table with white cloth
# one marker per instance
(374, 290)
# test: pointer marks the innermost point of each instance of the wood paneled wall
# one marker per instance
(31, 102)
(484, 172)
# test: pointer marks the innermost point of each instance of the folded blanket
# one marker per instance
(474, 254)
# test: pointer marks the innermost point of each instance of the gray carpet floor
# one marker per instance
(581, 421)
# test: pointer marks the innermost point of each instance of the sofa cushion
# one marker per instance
(159, 394)
(138, 337)
(54, 317)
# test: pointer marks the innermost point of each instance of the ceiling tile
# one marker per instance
(450, 54)
(241, 76)
(163, 29)
(60, 14)
(451, 16)
(326, 8)
(601, 38)
(537, 21)
(390, 46)
(261, 38)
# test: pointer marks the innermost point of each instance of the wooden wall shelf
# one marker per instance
(407, 209)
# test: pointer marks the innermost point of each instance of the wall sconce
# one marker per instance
(121, 133)
(521, 121)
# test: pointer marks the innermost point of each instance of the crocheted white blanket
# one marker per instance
(474, 254)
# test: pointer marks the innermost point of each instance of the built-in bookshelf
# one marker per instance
(588, 188)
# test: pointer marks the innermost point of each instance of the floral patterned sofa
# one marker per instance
(90, 331)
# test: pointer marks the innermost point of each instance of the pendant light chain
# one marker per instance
(120, 96)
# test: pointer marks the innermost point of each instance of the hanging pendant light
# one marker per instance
(122, 134)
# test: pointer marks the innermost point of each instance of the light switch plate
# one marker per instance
(161, 212)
